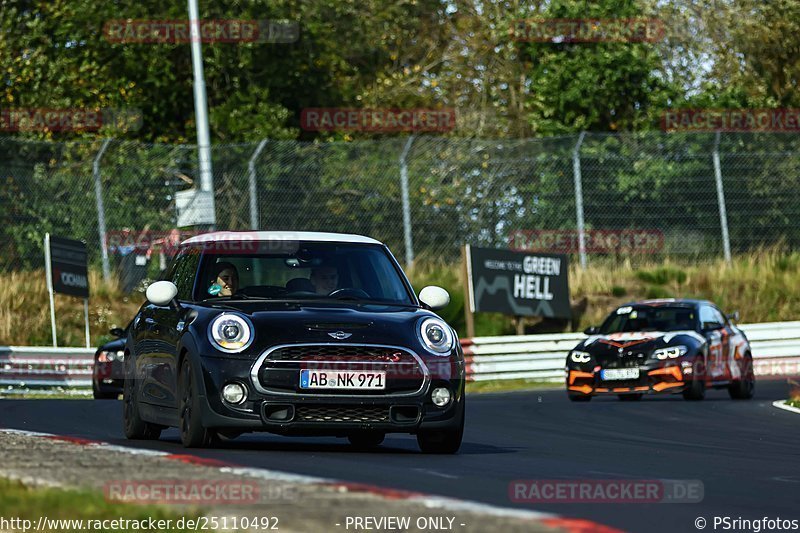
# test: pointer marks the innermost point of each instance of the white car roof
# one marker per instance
(279, 236)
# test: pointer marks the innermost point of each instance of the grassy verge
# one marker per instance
(29, 503)
(510, 385)
(794, 402)
(762, 285)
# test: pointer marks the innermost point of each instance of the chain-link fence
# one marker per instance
(652, 194)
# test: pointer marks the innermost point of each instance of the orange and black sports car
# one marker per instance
(665, 346)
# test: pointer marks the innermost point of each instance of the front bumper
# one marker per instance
(652, 379)
(109, 376)
(318, 413)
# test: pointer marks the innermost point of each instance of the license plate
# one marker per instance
(331, 379)
(619, 373)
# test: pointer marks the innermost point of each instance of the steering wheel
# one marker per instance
(349, 293)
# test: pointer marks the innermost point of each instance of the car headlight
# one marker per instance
(670, 352)
(230, 333)
(436, 336)
(578, 356)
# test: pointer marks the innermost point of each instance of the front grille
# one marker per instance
(345, 353)
(280, 369)
(342, 414)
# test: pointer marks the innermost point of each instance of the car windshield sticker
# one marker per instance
(633, 314)
(214, 289)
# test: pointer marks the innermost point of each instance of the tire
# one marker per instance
(446, 441)
(579, 397)
(744, 389)
(135, 428)
(630, 397)
(367, 439)
(100, 395)
(193, 434)
(696, 389)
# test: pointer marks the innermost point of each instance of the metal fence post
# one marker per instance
(101, 210)
(251, 167)
(723, 216)
(576, 171)
(406, 205)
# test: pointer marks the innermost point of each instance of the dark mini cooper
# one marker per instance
(296, 334)
(108, 371)
(659, 346)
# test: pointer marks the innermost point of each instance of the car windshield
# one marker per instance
(650, 318)
(301, 271)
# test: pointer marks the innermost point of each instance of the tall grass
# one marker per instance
(763, 286)
(25, 311)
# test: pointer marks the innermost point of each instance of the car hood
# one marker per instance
(316, 322)
(635, 343)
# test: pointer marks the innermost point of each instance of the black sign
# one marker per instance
(68, 265)
(519, 283)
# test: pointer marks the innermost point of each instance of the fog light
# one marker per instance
(440, 396)
(234, 393)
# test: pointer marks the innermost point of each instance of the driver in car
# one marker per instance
(325, 279)
(226, 280)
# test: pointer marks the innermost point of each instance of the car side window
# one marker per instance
(710, 318)
(183, 274)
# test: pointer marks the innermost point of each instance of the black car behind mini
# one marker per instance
(296, 334)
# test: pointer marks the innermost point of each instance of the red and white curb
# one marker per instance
(782, 404)
(570, 525)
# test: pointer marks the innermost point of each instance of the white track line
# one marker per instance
(781, 404)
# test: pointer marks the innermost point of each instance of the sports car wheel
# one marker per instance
(135, 427)
(367, 439)
(696, 389)
(579, 397)
(630, 397)
(745, 387)
(193, 434)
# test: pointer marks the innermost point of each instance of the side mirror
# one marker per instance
(591, 330)
(117, 332)
(434, 297)
(734, 317)
(161, 293)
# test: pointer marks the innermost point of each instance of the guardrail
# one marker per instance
(775, 346)
(35, 367)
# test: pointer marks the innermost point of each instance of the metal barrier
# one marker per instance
(775, 346)
(34, 367)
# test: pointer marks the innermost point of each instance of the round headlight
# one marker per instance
(111, 356)
(230, 333)
(436, 336)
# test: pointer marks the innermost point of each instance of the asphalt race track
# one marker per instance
(746, 453)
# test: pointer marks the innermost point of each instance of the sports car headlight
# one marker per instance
(436, 336)
(579, 357)
(230, 333)
(670, 352)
